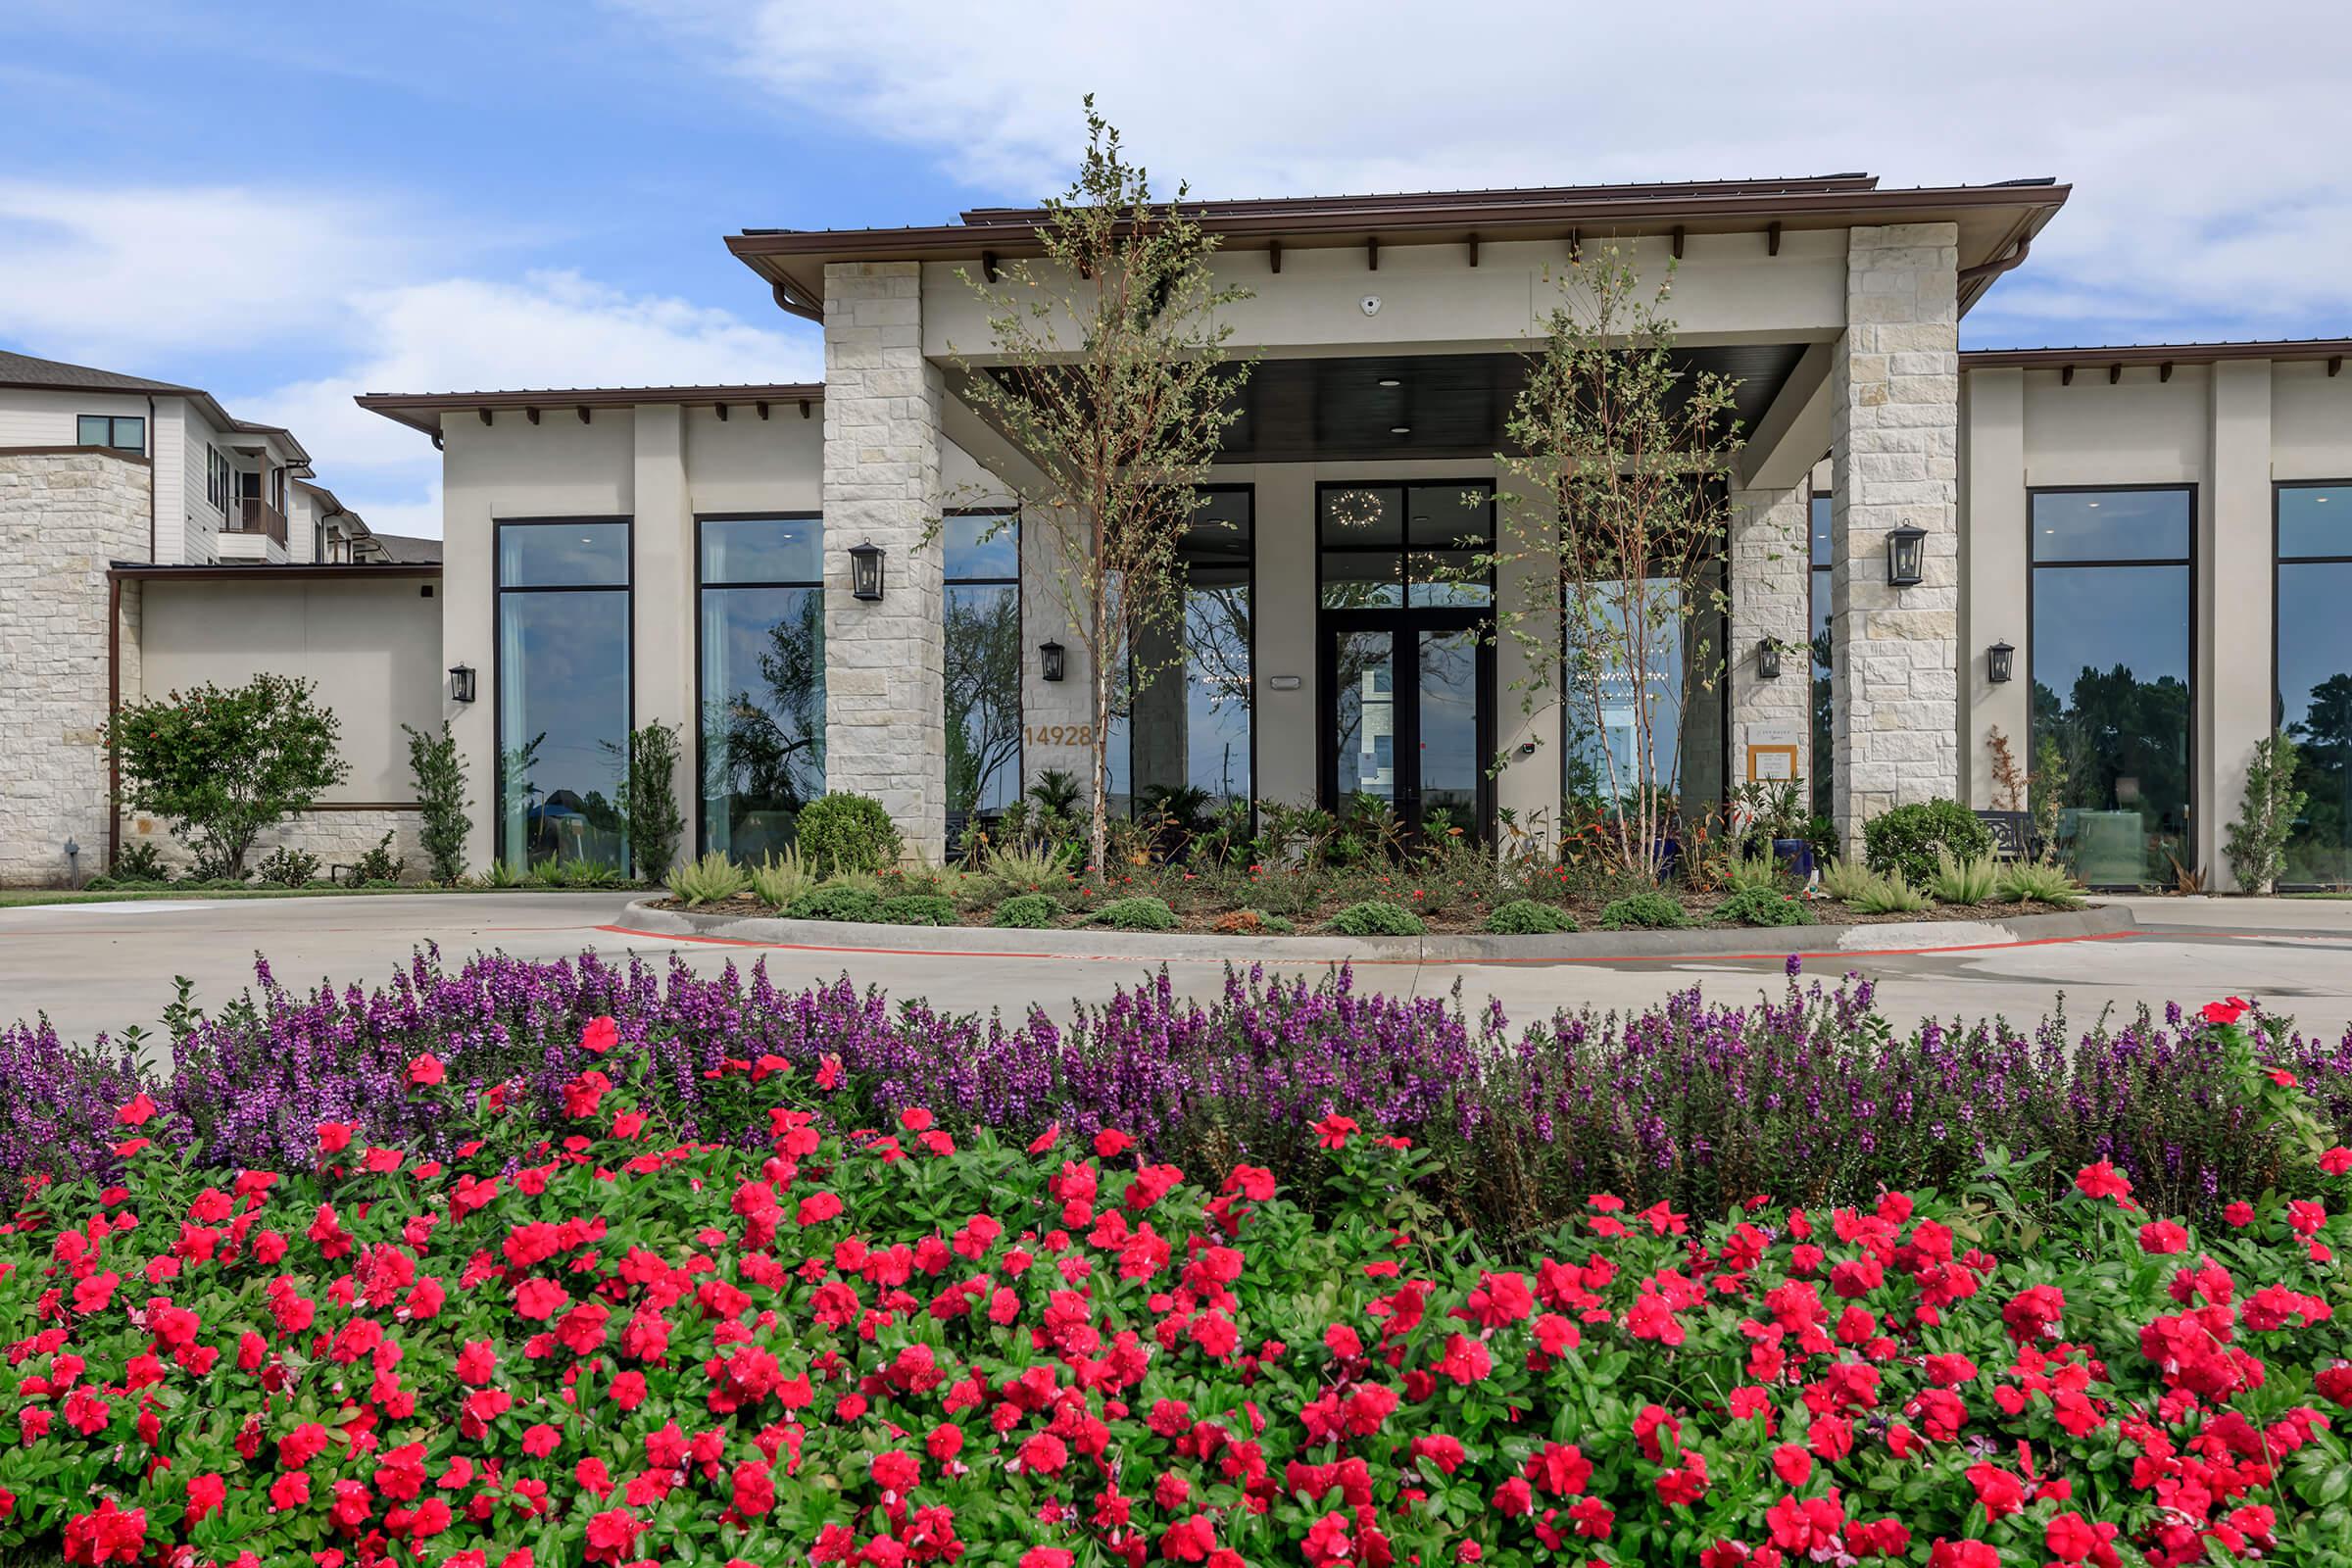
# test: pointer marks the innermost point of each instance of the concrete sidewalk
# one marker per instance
(99, 966)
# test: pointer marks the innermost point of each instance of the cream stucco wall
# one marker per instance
(372, 645)
(2233, 429)
(1727, 290)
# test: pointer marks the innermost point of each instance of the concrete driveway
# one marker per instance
(98, 966)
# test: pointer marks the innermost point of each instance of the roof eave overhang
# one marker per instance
(425, 410)
(1993, 218)
(2156, 354)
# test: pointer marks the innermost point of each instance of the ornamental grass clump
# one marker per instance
(1974, 880)
(711, 879)
(778, 879)
(586, 1330)
(2039, 882)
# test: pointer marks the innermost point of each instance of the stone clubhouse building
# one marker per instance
(2124, 564)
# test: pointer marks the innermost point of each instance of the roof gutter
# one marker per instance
(1986, 271)
(789, 301)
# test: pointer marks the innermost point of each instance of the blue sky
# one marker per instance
(287, 204)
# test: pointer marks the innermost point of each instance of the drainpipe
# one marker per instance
(110, 864)
(1988, 270)
(114, 710)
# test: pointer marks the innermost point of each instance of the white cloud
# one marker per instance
(120, 276)
(550, 329)
(2204, 143)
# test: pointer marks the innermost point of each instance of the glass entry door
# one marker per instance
(1406, 715)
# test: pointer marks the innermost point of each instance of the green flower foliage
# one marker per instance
(1905, 840)
(835, 903)
(917, 908)
(1377, 917)
(1762, 906)
(1645, 911)
(1525, 917)
(1027, 912)
(1144, 913)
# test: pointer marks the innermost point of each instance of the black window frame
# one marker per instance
(1021, 613)
(2280, 561)
(1248, 490)
(114, 424)
(2192, 764)
(1820, 579)
(499, 588)
(1405, 621)
(702, 585)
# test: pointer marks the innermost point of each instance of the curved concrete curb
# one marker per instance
(1583, 947)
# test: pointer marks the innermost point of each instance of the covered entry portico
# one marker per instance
(1389, 330)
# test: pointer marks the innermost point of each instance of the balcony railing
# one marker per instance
(253, 514)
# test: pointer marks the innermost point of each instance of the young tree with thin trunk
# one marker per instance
(1108, 375)
(1619, 459)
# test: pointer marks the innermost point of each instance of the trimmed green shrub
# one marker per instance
(1377, 917)
(289, 868)
(712, 879)
(847, 833)
(1643, 911)
(140, 861)
(918, 908)
(1763, 907)
(834, 903)
(1525, 917)
(1140, 913)
(1028, 912)
(1905, 840)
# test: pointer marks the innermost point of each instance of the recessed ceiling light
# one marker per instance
(2322, 500)
(1390, 380)
(1400, 429)
(2095, 505)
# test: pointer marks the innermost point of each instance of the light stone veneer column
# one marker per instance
(65, 515)
(885, 703)
(1894, 445)
(1771, 548)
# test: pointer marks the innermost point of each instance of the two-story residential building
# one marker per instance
(149, 541)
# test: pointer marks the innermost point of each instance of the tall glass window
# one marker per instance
(983, 665)
(1390, 546)
(1609, 762)
(762, 679)
(2111, 702)
(562, 684)
(1182, 744)
(2313, 659)
(1823, 691)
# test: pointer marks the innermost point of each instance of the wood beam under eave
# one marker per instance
(485, 414)
(1772, 239)
(583, 412)
(1274, 254)
(1678, 242)
(723, 411)
(804, 408)
(2115, 373)
(2066, 375)
(2335, 363)
(988, 266)
(762, 407)
(1474, 250)
(532, 415)
(2164, 372)
(1372, 251)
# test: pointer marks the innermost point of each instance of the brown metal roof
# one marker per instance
(423, 411)
(1993, 220)
(33, 373)
(279, 571)
(2303, 348)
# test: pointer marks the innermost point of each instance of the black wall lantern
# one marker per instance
(1049, 658)
(1906, 554)
(1768, 659)
(2000, 663)
(866, 570)
(461, 683)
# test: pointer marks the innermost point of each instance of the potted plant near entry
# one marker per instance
(1774, 813)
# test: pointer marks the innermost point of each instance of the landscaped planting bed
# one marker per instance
(803, 1330)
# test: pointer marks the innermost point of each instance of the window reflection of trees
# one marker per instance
(2320, 849)
(982, 676)
(763, 746)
